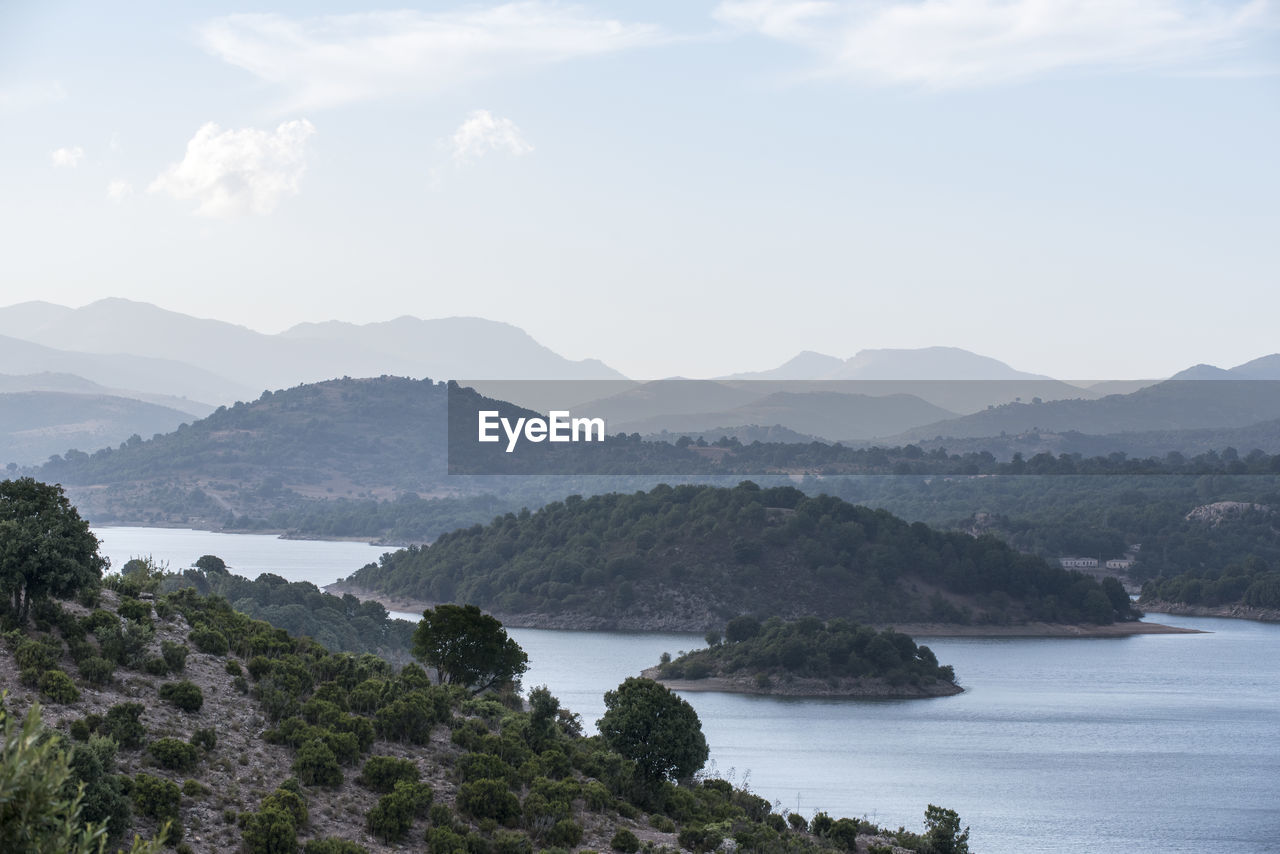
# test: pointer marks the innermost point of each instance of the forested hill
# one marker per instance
(690, 557)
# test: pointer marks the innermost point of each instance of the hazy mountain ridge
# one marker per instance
(35, 425)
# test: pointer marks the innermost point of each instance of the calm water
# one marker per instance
(1153, 743)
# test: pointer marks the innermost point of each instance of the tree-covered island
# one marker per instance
(809, 658)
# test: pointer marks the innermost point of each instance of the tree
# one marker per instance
(37, 815)
(46, 549)
(468, 648)
(942, 831)
(652, 726)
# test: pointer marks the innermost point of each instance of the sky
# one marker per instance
(1085, 189)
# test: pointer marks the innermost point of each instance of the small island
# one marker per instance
(809, 658)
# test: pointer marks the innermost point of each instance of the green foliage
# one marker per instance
(316, 765)
(58, 687)
(208, 640)
(493, 799)
(810, 648)
(511, 842)
(123, 722)
(270, 830)
(625, 841)
(290, 802)
(40, 812)
(411, 717)
(653, 727)
(468, 648)
(393, 815)
(184, 695)
(942, 832)
(333, 845)
(174, 754)
(104, 799)
(565, 833)
(381, 773)
(133, 609)
(445, 840)
(46, 549)
(206, 738)
(175, 655)
(156, 797)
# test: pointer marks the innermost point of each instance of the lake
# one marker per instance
(1164, 743)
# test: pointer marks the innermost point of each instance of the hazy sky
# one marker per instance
(1088, 189)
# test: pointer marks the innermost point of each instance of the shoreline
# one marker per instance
(1227, 612)
(799, 687)
(918, 630)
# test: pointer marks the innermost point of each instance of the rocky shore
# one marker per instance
(857, 689)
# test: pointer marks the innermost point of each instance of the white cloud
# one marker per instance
(119, 190)
(951, 43)
(483, 132)
(234, 172)
(324, 61)
(68, 157)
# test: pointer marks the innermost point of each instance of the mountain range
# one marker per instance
(108, 352)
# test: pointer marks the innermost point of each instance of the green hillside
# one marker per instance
(694, 556)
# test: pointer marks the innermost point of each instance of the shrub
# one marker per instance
(156, 666)
(565, 833)
(821, 824)
(269, 831)
(315, 765)
(96, 669)
(440, 815)
(393, 814)
(844, 832)
(289, 801)
(37, 655)
(798, 822)
(333, 845)
(209, 640)
(597, 796)
(174, 754)
(124, 725)
(627, 842)
(233, 668)
(660, 822)
(488, 799)
(58, 687)
(175, 655)
(194, 788)
(445, 840)
(699, 839)
(381, 773)
(80, 730)
(513, 842)
(484, 766)
(156, 797)
(205, 738)
(132, 609)
(185, 695)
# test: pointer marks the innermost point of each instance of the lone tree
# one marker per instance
(468, 648)
(46, 549)
(649, 724)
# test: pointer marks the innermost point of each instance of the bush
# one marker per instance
(844, 832)
(156, 666)
(204, 738)
(185, 695)
(488, 799)
(626, 842)
(175, 655)
(132, 609)
(381, 773)
(123, 723)
(660, 822)
(315, 765)
(512, 842)
(798, 822)
(174, 754)
(333, 845)
(393, 814)
(289, 801)
(80, 730)
(37, 655)
(270, 831)
(597, 796)
(58, 687)
(445, 840)
(209, 640)
(821, 824)
(440, 815)
(156, 797)
(233, 668)
(565, 833)
(194, 789)
(97, 670)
